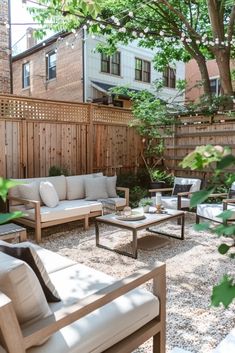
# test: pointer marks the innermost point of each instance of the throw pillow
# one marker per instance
(29, 255)
(111, 186)
(20, 284)
(48, 194)
(181, 188)
(96, 188)
(231, 194)
(30, 191)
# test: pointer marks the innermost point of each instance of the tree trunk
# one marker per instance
(205, 76)
(223, 61)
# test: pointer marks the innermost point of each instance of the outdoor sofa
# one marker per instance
(95, 313)
(79, 197)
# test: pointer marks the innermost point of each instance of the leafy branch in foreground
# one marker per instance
(218, 158)
(5, 185)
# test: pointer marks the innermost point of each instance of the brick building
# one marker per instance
(70, 68)
(193, 78)
(5, 55)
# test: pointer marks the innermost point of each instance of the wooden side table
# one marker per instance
(12, 231)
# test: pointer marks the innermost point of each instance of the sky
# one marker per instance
(19, 14)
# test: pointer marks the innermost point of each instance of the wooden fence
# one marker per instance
(36, 134)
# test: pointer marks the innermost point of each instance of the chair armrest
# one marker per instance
(65, 316)
(219, 195)
(185, 193)
(126, 193)
(228, 201)
(160, 190)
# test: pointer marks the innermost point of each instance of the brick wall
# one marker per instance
(68, 82)
(5, 80)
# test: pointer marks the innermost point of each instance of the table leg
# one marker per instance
(182, 226)
(97, 234)
(134, 244)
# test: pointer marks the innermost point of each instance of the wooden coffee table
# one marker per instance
(151, 220)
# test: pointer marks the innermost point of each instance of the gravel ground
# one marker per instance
(193, 266)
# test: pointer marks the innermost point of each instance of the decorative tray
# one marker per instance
(135, 216)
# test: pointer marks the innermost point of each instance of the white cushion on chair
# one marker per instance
(20, 284)
(212, 210)
(105, 326)
(196, 183)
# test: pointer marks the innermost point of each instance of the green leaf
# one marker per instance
(223, 248)
(5, 185)
(200, 196)
(6, 217)
(224, 292)
(202, 226)
(225, 162)
(225, 215)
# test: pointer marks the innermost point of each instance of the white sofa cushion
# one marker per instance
(76, 185)
(48, 194)
(96, 188)
(212, 210)
(111, 186)
(65, 209)
(51, 260)
(104, 327)
(18, 282)
(59, 183)
(30, 191)
(171, 202)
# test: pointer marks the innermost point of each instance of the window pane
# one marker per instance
(146, 71)
(25, 75)
(172, 78)
(138, 75)
(115, 69)
(138, 64)
(116, 58)
(105, 63)
(213, 86)
(51, 65)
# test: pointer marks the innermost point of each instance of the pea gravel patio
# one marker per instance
(193, 266)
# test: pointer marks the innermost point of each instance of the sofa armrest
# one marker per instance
(126, 193)
(65, 316)
(224, 194)
(36, 205)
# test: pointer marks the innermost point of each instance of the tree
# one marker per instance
(180, 30)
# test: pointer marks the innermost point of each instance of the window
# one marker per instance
(51, 65)
(111, 64)
(142, 70)
(169, 77)
(215, 86)
(25, 75)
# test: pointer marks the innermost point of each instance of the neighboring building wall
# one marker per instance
(5, 76)
(193, 78)
(68, 83)
(127, 76)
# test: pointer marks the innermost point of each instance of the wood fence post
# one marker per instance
(23, 150)
(89, 143)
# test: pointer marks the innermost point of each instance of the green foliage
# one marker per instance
(161, 175)
(56, 170)
(137, 193)
(177, 30)
(146, 201)
(5, 185)
(219, 158)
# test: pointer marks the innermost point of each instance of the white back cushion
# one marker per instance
(76, 185)
(20, 284)
(96, 188)
(196, 183)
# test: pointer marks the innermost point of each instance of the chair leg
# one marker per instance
(159, 344)
(38, 233)
(197, 219)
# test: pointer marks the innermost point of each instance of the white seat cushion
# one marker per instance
(171, 202)
(51, 260)
(65, 209)
(94, 206)
(212, 210)
(104, 327)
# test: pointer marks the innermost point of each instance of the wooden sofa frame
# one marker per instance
(18, 341)
(38, 225)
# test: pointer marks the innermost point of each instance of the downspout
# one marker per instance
(9, 45)
(84, 63)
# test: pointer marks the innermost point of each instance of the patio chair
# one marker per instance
(210, 211)
(181, 191)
